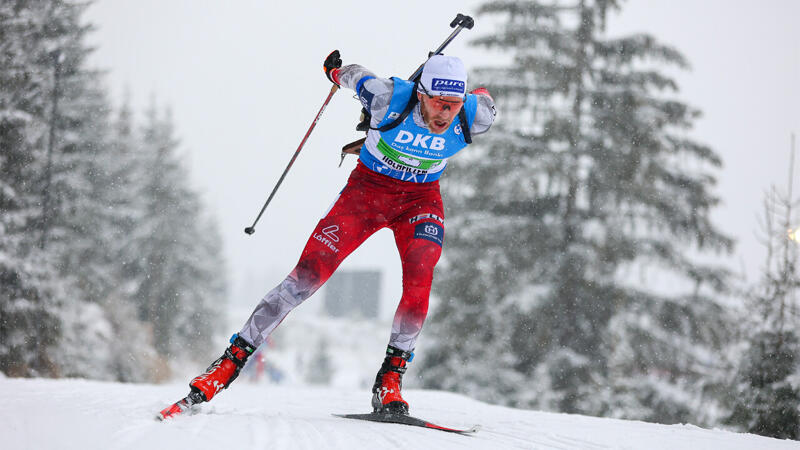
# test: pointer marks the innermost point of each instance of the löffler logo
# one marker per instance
(328, 236)
(331, 232)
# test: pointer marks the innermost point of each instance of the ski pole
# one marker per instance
(459, 23)
(252, 228)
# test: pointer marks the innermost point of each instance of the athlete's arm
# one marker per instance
(373, 92)
(484, 115)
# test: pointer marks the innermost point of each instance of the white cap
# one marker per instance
(444, 75)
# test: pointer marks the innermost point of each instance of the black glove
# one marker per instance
(330, 66)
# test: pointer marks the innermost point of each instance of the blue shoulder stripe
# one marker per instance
(361, 82)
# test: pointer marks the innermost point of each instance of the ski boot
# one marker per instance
(221, 373)
(386, 398)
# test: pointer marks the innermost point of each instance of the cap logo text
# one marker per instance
(446, 85)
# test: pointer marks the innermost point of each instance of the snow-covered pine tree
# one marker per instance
(78, 213)
(568, 282)
(202, 274)
(40, 122)
(180, 273)
(766, 397)
(116, 209)
(74, 211)
(121, 171)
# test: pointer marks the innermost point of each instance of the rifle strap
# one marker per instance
(462, 116)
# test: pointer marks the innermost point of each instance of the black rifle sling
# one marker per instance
(462, 116)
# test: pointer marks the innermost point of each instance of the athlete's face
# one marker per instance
(439, 112)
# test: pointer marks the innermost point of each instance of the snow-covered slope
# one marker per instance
(76, 414)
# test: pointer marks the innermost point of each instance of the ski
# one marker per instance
(408, 420)
(180, 407)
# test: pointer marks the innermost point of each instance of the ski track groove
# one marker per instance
(572, 441)
(381, 437)
(259, 437)
(124, 437)
(543, 439)
(517, 442)
(312, 434)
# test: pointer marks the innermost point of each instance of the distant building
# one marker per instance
(353, 293)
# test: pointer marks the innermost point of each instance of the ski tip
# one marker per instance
(463, 431)
(166, 414)
(180, 407)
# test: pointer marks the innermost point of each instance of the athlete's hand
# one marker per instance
(481, 91)
(331, 66)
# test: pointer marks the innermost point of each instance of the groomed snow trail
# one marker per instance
(41, 414)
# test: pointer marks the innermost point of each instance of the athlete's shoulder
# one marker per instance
(485, 112)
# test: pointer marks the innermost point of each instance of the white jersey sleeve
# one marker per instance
(484, 115)
(375, 93)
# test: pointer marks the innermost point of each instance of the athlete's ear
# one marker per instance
(419, 96)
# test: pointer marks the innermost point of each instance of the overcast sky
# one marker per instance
(244, 80)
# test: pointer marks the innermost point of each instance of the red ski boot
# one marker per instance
(386, 398)
(221, 373)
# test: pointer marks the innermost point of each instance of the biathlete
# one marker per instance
(415, 128)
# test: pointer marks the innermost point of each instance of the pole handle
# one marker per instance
(464, 21)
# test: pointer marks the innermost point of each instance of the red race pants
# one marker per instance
(369, 202)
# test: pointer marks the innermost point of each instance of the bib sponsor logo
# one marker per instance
(444, 84)
(430, 231)
(420, 140)
(403, 167)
